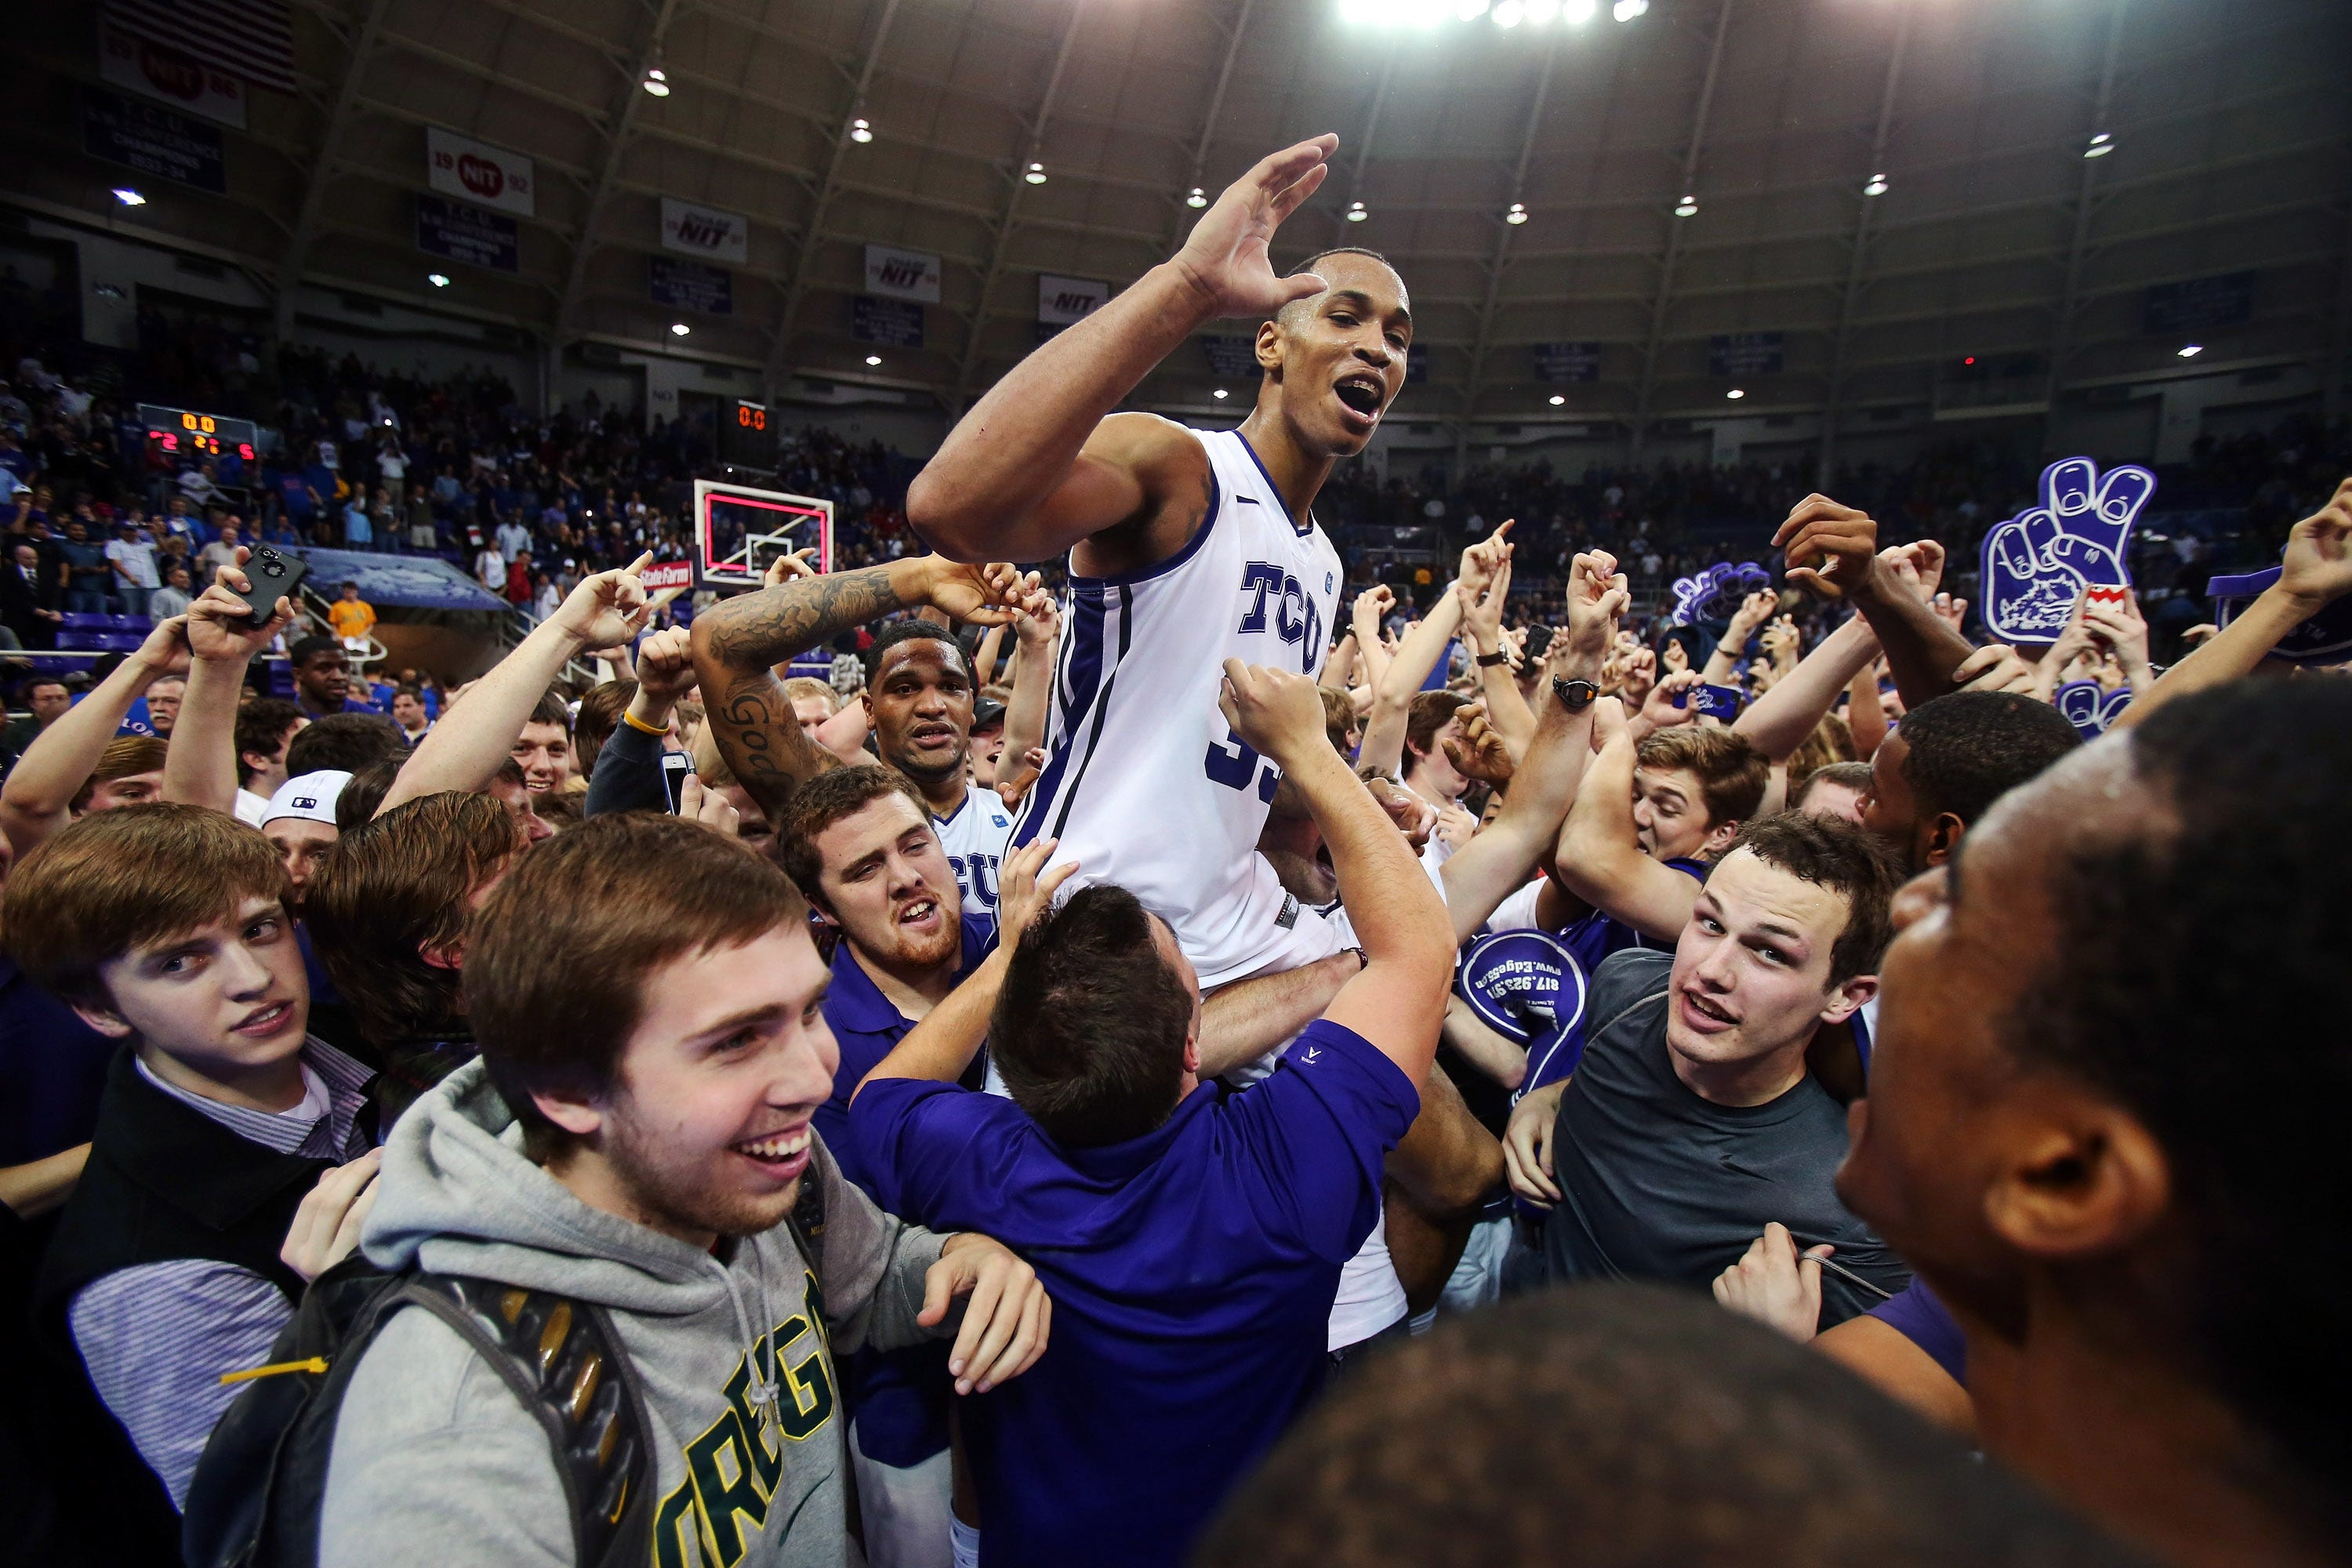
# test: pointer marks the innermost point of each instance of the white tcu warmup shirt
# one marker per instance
(975, 835)
(1145, 786)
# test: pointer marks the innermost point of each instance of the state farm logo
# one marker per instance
(903, 274)
(481, 176)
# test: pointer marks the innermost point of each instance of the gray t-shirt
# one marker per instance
(1659, 1183)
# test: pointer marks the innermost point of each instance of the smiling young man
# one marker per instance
(1691, 1120)
(231, 1148)
(639, 1130)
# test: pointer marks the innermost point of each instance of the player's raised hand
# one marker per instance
(607, 608)
(1021, 895)
(1279, 712)
(1225, 258)
(1833, 549)
(982, 594)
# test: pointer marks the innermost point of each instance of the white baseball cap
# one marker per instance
(311, 797)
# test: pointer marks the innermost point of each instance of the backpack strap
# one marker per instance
(565, 1364)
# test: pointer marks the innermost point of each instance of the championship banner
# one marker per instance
(153, 140)
(708, 232)
(1066, 301)
(461, 233)
(893, 323)
(902, 274)
(691, 285)
(1743, 353)
(1569, 363)
(476, 172)
(2078, 540)
(158, 71)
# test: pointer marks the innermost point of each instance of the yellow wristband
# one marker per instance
(634, 722)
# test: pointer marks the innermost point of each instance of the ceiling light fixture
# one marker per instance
(2192, 350)
(679, 329)
(1686, 207)
(1197, 197)
(872, 360)
(1471, 10)
(1735, 394)
(1035, 174)
(1626, 10)
(656, 82)
(1510, 13)
(129, 197)
(860, 130)
(2101, 145)
(1355, 213)
(439, 279)
(1518, 214)
(1540, 12)
(1219, 395)
(1556, 400)
(1578, 12)
(1874, 186)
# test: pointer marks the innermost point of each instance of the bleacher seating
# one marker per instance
(87, 631)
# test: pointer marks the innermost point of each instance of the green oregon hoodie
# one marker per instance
(436, 1464)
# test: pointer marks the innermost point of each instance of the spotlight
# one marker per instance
(1578, 12)
(1509, 14)
(1874, 186)
(1735, 394)
(1626, 10)
(129, 197)
(657, 82)
(1355, 213)
(1556, 400)
(2101, 145)
(860, 132)
(1686, 207)
(2192, 350)
(1540, 12)
(1471, 10)
(1197, 198)
(872, 360)
(1037, 174)
(1517, 213)
(1219, 395)
(679, 329)
(439, 279)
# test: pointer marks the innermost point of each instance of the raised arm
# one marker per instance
(38, 795)
(2316, 573)
(200, 762)
(1482, 629)
(1833, 551)
(1036, 465)
(1040, 630)
(1753, 612)
(1422, 647)
(737, 643)
(1398, 1002)
(1600, 860)
(1366, 617)
(1778, 722)
(464, 750)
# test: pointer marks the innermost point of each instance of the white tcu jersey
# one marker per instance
(975, 837)
(1145, 786)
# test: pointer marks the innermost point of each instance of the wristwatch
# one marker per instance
(1575, 696)
(1490, 660)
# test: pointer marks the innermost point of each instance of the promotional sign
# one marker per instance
(1722, 702)
(2091, 707)
(157, 71)
(1714, 594)
(2170, 309)
(2326, 638)
(476, 172)
(691, 286)
(2039, 563)
(667, 574)
(1235, 359)
(894, 323)
(1743, 353)
(708, 232)
(153, 140)
(461, 233)
(1571, 364)
(1066, 301)
(902, 274)
(1522, 984)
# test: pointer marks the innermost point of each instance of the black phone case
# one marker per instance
(274, 577)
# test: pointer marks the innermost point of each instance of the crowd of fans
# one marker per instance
(712, 1115)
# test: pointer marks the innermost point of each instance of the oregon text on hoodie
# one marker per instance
(437, 1462)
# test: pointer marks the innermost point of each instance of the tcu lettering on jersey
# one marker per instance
(1297, 620)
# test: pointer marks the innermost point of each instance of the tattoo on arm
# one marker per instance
(737, 644)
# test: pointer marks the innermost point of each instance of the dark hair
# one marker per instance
(1089, 1027)
(305, 649)
(1968, 749)
(556, 969)
(2191, 955)
(364, 791)
(398, 883)
(1846, 775)
(261, 726)
(599, 715)
(552, 709)
(1619, 1425)
(824, 800)
(1732, 774)
(1429, 712)
(345, 743)
(914, 629)
(1839, 856)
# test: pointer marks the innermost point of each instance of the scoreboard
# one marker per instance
(180, 432)
(746, 438)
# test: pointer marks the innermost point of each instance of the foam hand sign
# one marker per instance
(2090, 707)
(1713, 594)
(2040, 562)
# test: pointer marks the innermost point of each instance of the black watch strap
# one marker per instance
(1490, 660)
(1575, 696)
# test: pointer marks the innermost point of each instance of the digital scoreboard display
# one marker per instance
(746, 438)
(180, 432)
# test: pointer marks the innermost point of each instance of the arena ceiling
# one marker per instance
(2228, 142)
